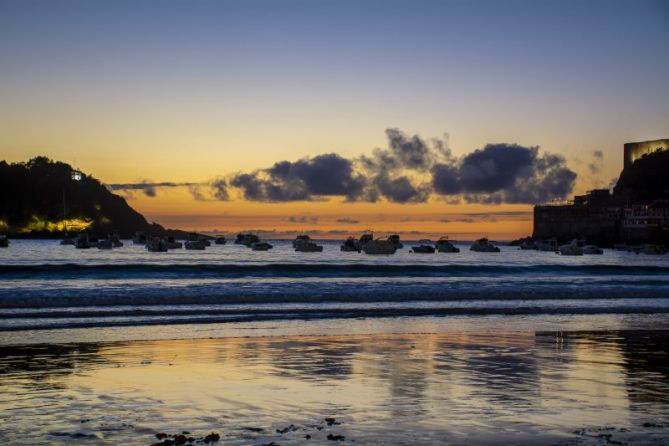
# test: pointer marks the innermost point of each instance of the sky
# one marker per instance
(423, 117)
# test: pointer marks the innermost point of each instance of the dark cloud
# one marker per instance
(347, 221)
(401, 189)
(446, 179)
(505, 173)
(306, 179)
(411, 151)
(219, 188)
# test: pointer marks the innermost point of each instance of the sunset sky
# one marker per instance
(184, 107)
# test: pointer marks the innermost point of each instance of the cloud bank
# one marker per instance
(409, 170)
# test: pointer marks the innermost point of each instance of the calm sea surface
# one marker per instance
(45, 286)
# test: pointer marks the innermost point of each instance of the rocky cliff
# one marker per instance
(42, 197)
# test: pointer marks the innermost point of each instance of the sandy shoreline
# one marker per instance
(457, 387)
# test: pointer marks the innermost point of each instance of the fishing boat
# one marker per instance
(246, 239)
(220, 240)
(425, 247)
(309, 247)
(349, 245)
(261, 246)
(300, 239)
(573, 248)
(195, 237)
(379, 247)
(483, 245)
(445, 245)
(199, 245)
(395, 239)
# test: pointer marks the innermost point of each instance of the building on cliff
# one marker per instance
(636, 212)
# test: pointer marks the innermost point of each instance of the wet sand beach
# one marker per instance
(481, 387)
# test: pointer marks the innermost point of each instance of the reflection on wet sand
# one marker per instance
(460, 388)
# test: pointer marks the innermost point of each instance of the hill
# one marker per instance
(645, 180)
(44, 198)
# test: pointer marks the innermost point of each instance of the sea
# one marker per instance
(285, 348)
(47, 286)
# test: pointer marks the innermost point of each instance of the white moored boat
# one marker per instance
(246, 239)
(573, 248)
(379, 246)
(350, 245)
(483, 245)
(425, 247)
(261, 246)
(445, 245)
(309, 247)
(199, 245)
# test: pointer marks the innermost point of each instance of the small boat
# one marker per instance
(220, 240)
(365, 238)
(172, 243)
(156, 244)
(379, 246)
(261, 246)
(194, 237)
(308, 247)
(300, 239)
(483, 245)
(395, 239)
(445, 245)
(573, 248)
(199, 245)
(4, 241)
(592, 249)
(425, 247)
(139, 238)
(350, 245)
(83, 242)
(246, 239)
